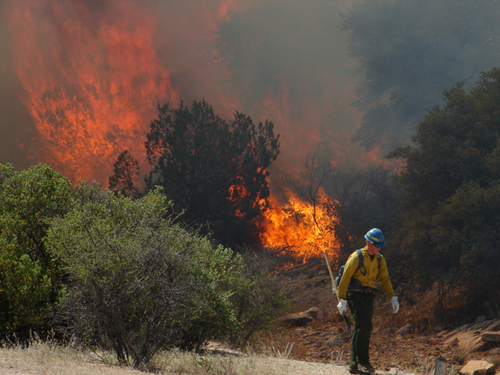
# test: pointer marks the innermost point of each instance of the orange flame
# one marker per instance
(301, 228)
(92, 80)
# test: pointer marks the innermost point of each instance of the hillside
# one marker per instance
(406, 341)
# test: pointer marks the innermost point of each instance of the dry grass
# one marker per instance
(49, 358)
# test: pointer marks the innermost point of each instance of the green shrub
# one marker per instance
(29, 281)
(259, 299)
(138, 282)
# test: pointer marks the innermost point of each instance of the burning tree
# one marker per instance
(213, 169)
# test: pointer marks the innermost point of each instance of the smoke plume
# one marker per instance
(80, 81)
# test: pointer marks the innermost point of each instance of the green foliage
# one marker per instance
(139, 282)
(29, 281)
(452, 193)
(213, 169)
(25, 290)
(258, 300)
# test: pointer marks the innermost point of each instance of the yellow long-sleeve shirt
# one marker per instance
(373, 272)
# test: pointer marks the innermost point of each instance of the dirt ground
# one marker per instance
(309, 285)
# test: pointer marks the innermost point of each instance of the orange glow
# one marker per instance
(92, 80)
(237, 193)
(93, 72)
(301, 229)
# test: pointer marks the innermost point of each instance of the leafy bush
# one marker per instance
(29, 278)
(138, 282)
(258, 300)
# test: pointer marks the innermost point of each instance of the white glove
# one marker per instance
(342, 306)
(395, 304)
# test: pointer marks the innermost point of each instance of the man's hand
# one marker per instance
(342, 306)
(395, 304)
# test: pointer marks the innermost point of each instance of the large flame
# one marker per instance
(92, 80)
(92, 73)
(302, 228)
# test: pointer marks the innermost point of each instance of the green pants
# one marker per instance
(361, 306)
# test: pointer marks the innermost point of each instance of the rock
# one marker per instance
(492, 339)
(313, 312)
(475, 367)
(409, 328)
(302, 318)
(297, 320)
(336, 341)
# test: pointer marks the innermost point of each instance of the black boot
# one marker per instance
(365, 367)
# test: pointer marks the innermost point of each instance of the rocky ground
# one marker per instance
(405, 341)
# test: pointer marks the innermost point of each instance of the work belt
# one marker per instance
(364, 289)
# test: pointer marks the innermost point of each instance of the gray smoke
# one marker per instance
(302, 65)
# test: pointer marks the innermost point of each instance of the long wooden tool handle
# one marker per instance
(346, 319)
(331, 276)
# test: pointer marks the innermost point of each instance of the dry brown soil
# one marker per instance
(309, 285)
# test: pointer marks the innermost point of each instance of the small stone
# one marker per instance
(313, 312)
(336, 341)
(297, 320)
(406, 330)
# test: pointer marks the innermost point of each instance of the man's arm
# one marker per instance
(383, 278)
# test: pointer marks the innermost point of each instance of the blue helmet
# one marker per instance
(376, 237)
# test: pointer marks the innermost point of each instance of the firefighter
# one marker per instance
(357, 289)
